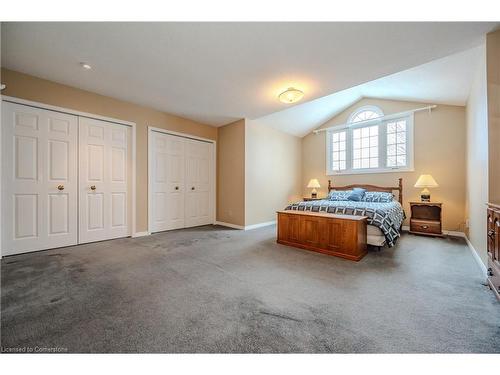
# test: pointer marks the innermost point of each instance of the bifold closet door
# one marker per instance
(104, 180)
(182, 179)
(167, 182)
(39, 179)
(198, 172)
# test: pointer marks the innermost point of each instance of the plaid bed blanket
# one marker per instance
(386, 216)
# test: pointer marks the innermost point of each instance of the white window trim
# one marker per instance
(410, 139)
(364, 108)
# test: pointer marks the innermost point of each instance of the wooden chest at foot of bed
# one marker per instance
(338, 235)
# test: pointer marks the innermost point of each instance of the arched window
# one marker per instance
(365, 113)
(367, 145)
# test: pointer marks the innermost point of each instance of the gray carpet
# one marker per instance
(212, 289)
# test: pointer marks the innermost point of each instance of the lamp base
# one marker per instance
(425, 198)
(425, 195)
(314, 193)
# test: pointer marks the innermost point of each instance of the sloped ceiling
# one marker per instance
(443, 81)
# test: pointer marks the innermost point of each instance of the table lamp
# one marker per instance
(426, 181)
(313, 183)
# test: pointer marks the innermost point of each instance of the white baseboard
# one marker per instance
(454, 233)
(476, 256)
(246, 227)
(260, 225)
(229, 225)
(140, 234)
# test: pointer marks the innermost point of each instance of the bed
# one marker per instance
(384, 219)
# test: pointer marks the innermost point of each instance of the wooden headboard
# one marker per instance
(387, 189)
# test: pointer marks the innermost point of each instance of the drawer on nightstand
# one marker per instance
(425, 226)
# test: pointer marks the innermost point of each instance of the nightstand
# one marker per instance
(426, 218)
(307, 199)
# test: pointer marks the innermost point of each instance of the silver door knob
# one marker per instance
(92, 187)
(60, 187)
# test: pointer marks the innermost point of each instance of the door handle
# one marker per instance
(192, 188)
(92, 187)
(177, 188)
(60, 187)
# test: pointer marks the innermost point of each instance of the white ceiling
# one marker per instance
(443, 81)
(216, 73)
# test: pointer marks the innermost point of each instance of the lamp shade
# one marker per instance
(313, 183)
(426, 181)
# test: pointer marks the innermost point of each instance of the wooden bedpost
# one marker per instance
(388, 189)
(401, 190)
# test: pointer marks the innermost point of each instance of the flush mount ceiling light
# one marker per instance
(291, 95)
(85, 66)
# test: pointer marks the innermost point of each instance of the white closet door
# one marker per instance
(167, 182)
(105, 178)
(199, 175)
(39, 179)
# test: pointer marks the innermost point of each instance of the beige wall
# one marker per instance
(31, 88)
(272, 172)
(259, 172)
(477, 160)
(493, 78)
(439, 151)
(231, 173)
